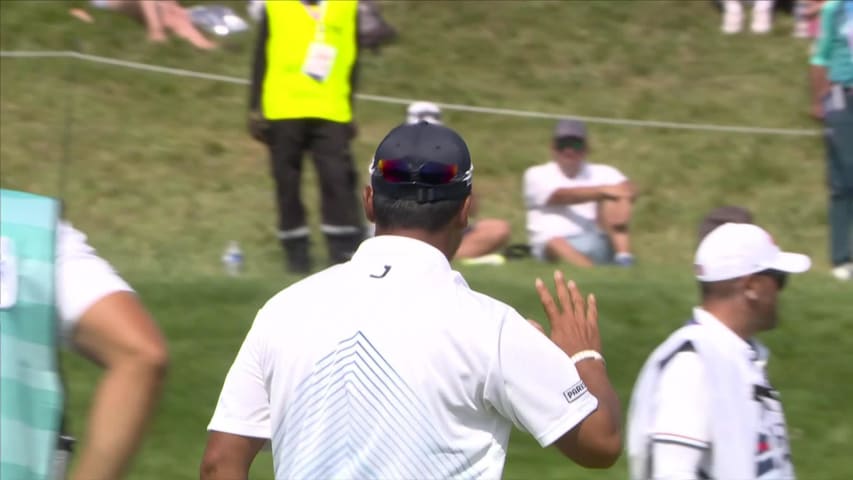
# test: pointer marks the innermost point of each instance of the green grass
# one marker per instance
(162, 175)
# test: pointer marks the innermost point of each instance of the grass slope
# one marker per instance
(162, 176)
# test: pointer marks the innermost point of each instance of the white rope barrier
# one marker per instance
(404, 101)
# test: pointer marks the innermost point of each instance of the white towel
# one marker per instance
(733, 423)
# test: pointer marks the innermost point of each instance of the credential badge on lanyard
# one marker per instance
(8, 273)
(320, 57)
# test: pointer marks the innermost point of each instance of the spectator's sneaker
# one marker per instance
(732, 17)
(624, 260)
(843, 272)
(491, 259)
(762, 20)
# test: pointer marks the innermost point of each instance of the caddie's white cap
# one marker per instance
(735, 250)
(423, 112)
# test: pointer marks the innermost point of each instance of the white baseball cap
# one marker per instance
(423, 112)
(735, 250)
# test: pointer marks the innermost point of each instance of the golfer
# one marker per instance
(389, 366)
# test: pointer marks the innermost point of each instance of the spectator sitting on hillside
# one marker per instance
(159, 16)
(578, 211)
(762, 16)
(483, 238)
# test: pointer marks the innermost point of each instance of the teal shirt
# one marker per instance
(833, 47)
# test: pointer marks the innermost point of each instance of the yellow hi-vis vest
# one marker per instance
(288, 92)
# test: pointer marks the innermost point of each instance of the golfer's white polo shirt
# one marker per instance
(544, 221)
(390, 367)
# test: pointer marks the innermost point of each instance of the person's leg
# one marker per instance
(732, 16)
(152, 17)
(487, 235)
(614, 218)
(287, 142)
(176, 19)
(840, 178)
(560, 249)
(342, 224)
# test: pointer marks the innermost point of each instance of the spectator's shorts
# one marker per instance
(593, 245)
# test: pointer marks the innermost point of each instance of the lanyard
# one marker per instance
(318, 13)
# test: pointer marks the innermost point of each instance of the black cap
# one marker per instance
(418, 144)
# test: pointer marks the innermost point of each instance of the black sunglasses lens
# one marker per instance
(573, 143)
(781, 280)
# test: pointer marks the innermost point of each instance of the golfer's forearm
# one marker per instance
(122, 403)
(600, 435)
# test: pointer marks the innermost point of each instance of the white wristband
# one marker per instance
(585, 354)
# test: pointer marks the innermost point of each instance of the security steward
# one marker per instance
(301, 96)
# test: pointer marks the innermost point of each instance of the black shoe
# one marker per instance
(342, 247)
(296, 250)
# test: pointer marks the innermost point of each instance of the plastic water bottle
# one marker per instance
(232, 259)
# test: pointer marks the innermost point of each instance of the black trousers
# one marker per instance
(329, 144)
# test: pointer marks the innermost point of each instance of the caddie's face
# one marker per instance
(768, 285)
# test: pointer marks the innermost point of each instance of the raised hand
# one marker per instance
(574, 324)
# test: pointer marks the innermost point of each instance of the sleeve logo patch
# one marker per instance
(575, 391)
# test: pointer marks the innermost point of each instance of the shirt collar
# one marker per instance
(402, 250)
(750, 349)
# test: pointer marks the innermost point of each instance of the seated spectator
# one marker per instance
(159, 17)
(577, 211)
(762, 16)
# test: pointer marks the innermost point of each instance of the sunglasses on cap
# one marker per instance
(401, 170)
(781, 278)
(574, 143)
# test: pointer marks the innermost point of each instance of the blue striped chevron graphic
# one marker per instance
(355, 417)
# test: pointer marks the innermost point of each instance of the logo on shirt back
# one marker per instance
(575, 391)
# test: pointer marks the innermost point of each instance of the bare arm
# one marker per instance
(118, 334)
(597, 441)
(228, 456)
(820, 87)
(569, 196)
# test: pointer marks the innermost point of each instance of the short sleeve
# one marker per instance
(823, 45)
(243, 407)
(538, 187)
(682, 403)
(535, 384)
(607, 175)
(82, 277)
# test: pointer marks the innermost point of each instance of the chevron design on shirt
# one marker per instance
(355, 417)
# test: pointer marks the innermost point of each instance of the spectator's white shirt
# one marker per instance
(390, 366)
(82, 277)
(545, 222)
(681, 430)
